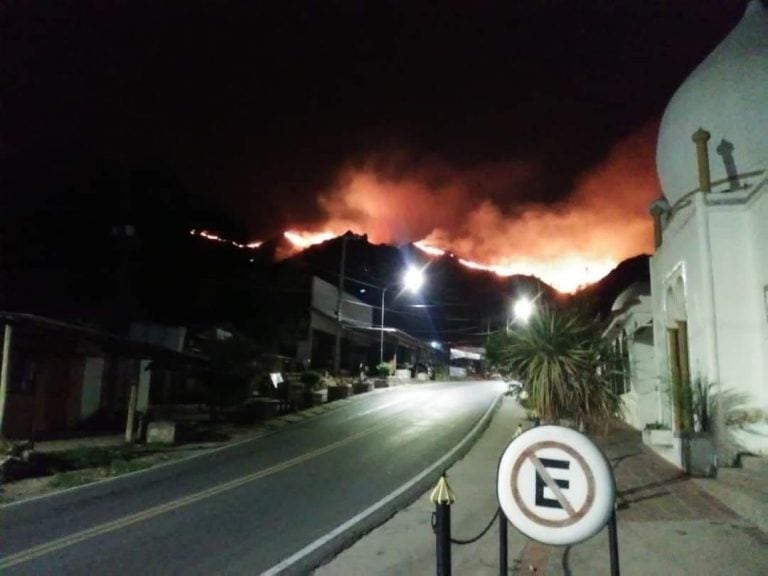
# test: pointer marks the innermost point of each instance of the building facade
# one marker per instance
(709, 272)
(631, 332)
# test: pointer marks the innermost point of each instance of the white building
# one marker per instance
(709, 273)
(631, 331)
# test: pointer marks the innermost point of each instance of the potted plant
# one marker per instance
(382, 371)
(698, 443)
(339, 390)
(657, 434)
(311, 382)
(362, 387)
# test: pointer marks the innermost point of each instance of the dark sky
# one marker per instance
(252, 109)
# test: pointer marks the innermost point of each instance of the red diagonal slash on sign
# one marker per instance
(574, 515)
(552, 485)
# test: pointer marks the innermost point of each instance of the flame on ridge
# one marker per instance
(304, 239)
(566, 275)
(215, 238)
(426, 248)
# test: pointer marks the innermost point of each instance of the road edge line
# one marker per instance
(313, 554)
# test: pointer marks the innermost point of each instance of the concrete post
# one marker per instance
(5, 370)
(131, 414)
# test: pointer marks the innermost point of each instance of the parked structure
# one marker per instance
(58, 376)
(360, 342)
(466, 360)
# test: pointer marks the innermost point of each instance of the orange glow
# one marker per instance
(426, 248)
(485, 215)
(303, 239)
(565, 276)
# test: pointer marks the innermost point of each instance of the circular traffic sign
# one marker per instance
(555, 485)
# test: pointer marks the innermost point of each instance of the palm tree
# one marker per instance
(564, 364)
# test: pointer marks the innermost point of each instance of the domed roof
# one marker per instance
(726, 95)
(631, 296)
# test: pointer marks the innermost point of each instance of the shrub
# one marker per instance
(565, 364)
(656, 426)
(310, 379)
(382, 370)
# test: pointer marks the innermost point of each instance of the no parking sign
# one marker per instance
(555, 485)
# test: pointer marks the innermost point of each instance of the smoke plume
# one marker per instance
(485, 214)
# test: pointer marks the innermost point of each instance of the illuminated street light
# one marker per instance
(523, 309)
(413, 280)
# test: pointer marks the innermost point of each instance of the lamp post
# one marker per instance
(381, 343)
(340, 298)
(412, 281)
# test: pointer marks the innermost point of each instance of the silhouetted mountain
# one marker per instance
(162, 273)
(599, 297)
(456, 304)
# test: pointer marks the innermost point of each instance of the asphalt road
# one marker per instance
(275, 504)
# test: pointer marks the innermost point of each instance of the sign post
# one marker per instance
(442, 497)
(556, 487)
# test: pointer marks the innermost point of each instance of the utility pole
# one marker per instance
(340, 294)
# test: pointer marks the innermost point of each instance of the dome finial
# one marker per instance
(725, 94)
(701, 137)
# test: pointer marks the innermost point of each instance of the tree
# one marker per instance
(564, 364)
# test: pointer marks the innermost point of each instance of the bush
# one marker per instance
(656, 426)
(93, 456)
(382, 370)
(310, 379)
(526, 403)
(566, 365)
(441, 372)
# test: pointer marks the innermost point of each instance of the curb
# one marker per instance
(344, 535)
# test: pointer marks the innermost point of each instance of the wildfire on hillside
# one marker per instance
(302, 239)
(482, 216)
(566, 276)
(216, 238)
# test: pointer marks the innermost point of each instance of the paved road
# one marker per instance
(249, 507)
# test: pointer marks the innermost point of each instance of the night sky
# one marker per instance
(514, 134)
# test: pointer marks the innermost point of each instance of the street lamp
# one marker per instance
(522, 310)
(413, 279)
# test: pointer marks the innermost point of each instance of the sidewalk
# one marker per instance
(667, 524)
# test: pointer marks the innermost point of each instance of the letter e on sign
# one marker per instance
(555, 485)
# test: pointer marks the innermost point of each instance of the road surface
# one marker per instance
(275, 504)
